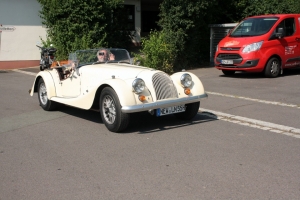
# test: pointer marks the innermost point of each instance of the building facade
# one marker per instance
(21, 29)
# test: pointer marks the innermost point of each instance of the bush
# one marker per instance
(156, 53)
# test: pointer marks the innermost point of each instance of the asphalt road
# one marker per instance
(243, 144)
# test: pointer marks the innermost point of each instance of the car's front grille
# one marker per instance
(230, 48)
(163, 86)
(229, 56)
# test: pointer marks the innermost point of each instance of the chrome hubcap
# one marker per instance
(109, 109)
(43, 94)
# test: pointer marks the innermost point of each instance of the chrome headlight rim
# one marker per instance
(138, 85)
(186, 80)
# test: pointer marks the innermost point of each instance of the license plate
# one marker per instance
(227, 62)
(170, 110)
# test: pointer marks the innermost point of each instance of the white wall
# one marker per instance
(24, 17)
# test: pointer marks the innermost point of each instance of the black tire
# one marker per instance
(45, 103)
(110, 110)
(190, 112)
(273, 68)
(41, 67)
(228, 72)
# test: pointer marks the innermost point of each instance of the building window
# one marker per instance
(129, 9)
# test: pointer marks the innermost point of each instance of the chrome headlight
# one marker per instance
(138, 85)
(186, 80)
(252, 47)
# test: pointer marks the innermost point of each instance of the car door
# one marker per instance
(70, 86)
(289, 42)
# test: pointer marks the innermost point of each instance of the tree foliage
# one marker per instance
(80, 24)
(159, 53)
(261, 7)
(185, 24)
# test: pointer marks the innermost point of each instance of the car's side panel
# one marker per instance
(46, 76)
(86, 99)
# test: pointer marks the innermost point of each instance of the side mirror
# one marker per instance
(279, 33)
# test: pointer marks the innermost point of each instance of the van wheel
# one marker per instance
(228, 72)
(273, 68)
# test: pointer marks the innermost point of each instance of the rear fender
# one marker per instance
(46, 76)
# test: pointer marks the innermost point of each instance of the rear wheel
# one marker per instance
(228, 72)
(273, 68)
(190, 112)
(45, 103)
(110, 110)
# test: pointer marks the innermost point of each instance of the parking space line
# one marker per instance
(256, 100)
(24, 72)
(285, 130)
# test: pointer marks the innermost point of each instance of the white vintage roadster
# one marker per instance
(106, 80)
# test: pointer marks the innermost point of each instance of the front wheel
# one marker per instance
(45, 103)
(110, 110)
(273, 68)
(190, 112)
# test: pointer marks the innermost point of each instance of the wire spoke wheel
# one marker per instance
(43, 94)
(109, 109)
(45, 103)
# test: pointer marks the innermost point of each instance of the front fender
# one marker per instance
(196, 88)
(46, 76)
(123, 90)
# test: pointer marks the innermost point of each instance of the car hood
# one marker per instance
(239, 41)
(122, 71)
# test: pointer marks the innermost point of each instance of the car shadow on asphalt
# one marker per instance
(249, 75)
(142, 122)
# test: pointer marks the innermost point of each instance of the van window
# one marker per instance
(288, 26)
(254, 27)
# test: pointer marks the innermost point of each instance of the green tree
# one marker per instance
(185, 24)
(261, 7)
(80, 24)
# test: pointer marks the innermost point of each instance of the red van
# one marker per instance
(266, 43)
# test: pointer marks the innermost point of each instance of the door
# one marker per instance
(70, 87)
(290, 43)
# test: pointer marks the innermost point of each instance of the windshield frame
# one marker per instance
(255, 26)
(89, 56)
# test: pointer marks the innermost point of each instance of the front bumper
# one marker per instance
(247, 64)
(162, 104)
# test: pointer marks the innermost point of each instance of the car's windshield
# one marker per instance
(98, 56)
(253, 27)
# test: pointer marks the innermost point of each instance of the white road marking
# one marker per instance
(285, 130)
(25, 72)
(256, 100)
